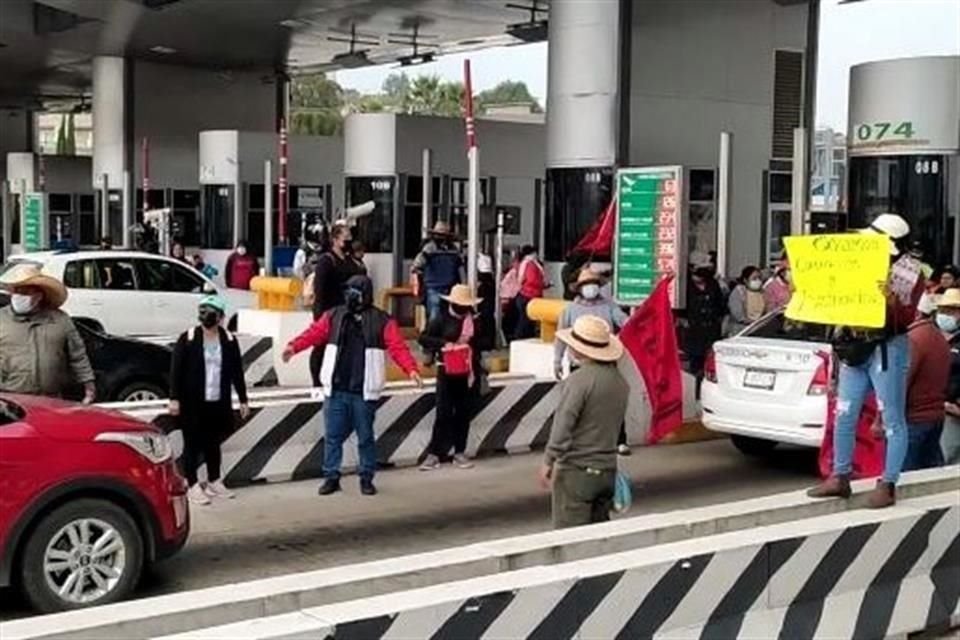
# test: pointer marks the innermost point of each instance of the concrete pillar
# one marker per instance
(111, 155)
(582, 116)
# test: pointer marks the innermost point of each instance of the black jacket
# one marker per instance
(706, 309)
(188, 371)
(447, 328)
(330, 275)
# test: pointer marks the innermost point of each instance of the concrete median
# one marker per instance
(862, 574)
(243, 601)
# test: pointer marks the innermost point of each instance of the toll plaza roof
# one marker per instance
(46, 46)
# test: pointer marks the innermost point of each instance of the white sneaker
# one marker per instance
(461, 461)
(431, 463)
(218, 490)
(196, 495)
(623, 450)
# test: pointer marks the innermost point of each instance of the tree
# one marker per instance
(316, 106)
(508, 92)
(429, 95)
(396, 89)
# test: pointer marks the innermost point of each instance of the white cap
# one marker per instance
(891, 225)
(927, 304)
(484, 263)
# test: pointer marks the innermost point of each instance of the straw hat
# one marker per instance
(441, 228)
(949, 300)
(587, 276)
(462, 296)
(591, 336)
(892, 225)
(28, 275)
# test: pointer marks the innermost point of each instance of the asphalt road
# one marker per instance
(283, 528)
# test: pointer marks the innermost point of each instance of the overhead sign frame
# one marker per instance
(650, 237)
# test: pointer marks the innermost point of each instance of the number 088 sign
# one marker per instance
(649, 240)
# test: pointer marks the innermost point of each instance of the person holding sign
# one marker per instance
(874, 355)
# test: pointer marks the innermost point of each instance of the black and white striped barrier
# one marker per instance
(283, 437)
(256, 353)
(227, 604)
(859, 574)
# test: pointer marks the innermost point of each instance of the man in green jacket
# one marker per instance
(581, 457)
(41, 352)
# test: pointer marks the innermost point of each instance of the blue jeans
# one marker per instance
(343, 413)
(890, 386)
(923, 448)
(434, 303)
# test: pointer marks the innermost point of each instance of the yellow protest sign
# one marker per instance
(838, 277)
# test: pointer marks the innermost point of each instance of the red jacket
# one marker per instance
(929, 373)
(381, 335)
(532, 279)
(240, 270)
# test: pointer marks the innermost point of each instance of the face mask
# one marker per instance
(459, 311)
(354, 300)
(23, 304)
(590, 291)
(704, 273)
(755, 284)
(241, 251)
(947, 324)
(209, 318)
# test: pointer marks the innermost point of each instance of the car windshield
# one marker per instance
(778, 326)
(10, 412)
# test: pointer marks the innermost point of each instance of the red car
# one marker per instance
(87, 499)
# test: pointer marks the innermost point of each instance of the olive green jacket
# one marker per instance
(41, 353)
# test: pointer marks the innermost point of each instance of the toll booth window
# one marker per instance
(186, 216)
(218, 216)
(88, 220)
(376, 229)
(413, 213)
(160, 275)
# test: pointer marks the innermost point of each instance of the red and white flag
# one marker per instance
(651, 340)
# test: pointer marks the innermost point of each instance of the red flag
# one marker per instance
(650, 338)
(869, 451)
(598, 240)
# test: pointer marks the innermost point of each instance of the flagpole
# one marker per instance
(473, 186)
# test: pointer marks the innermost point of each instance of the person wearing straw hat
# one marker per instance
(453, 339)
(948, 320)
(589, 301)
(439, 266)
(877, 359)
(41, 352)
(580, 462)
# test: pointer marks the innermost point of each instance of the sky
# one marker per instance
(849, 34)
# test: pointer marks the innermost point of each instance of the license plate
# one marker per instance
(755, 379)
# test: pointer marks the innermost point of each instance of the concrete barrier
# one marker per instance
(863, 574)
(282, 439)
(273, 596)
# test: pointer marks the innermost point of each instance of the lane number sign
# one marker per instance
(879, 131)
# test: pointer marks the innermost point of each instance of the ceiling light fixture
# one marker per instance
(162, 50)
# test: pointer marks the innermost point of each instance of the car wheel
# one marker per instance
(87, 552)
(753, 446)
(141, 392)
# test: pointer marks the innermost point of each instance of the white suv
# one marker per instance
(132, 293)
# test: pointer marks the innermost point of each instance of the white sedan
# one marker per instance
(132, 293)
(770, 384)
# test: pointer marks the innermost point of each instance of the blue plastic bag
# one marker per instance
(622, 493)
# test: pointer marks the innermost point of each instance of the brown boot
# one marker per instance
(883, 496)
(832, 487)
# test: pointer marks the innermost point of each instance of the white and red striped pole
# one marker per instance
(473, 185)
(282, 184)
(145, 166)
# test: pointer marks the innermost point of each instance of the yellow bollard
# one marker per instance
(276, 294)
(547, 312)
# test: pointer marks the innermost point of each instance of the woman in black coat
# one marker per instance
(206, 369)
(455, 340)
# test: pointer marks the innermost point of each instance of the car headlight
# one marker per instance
(155, 447)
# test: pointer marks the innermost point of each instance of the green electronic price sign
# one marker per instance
(649, 239)
(32, 222)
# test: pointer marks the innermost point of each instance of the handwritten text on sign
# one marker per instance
(838, 279)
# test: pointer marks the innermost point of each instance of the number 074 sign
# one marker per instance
(649, 238)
